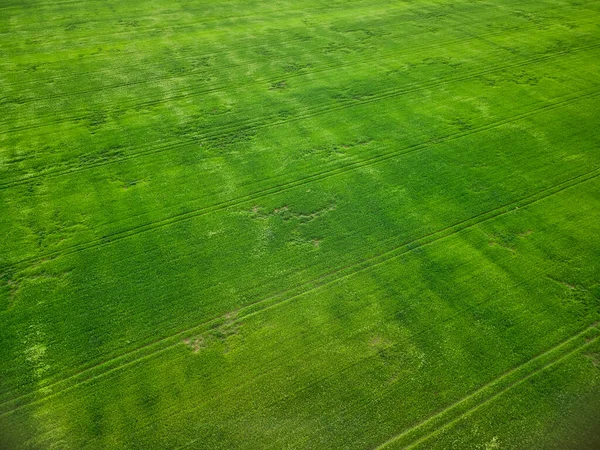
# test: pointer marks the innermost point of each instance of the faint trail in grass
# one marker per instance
(325, 10)
(154, 348)
(249, 47)
(516, 370)
(221, 131)
(492, 390)
(228, 85)
(117, 236)
(271, 121)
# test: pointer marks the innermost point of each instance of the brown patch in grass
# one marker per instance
(594, 358)
(195, 343)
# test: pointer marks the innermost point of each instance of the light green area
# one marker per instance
(308, 225)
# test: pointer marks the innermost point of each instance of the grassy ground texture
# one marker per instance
(317, 225)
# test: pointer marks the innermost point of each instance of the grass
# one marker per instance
(272, 225)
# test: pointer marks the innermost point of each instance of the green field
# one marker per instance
(299, 225)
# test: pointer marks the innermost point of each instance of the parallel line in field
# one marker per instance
(387, 391)
(410, 249)
(457, 312)
(166, 343)
(328, 11)
(283, 187)
(333, 13)
(220, 88)
(221, 131)
(369, 57)
(209, 325)
(375, 354)
(325, 10)
(495, 383)
(255, 45)
(272, 120)
(249, 47)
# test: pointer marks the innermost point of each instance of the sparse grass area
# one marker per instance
(313, 225)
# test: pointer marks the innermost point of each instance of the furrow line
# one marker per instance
(348, 367)
(120, 362)
(222, 131)
(368, 58)
(326, 10)
(283, 187)
(270, 121)
(497, 386)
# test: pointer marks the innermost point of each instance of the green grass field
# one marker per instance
(299, 225)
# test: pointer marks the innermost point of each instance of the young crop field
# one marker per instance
(327, 224)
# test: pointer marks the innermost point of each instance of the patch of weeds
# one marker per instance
(264, 51)
(285, 114)
(352, 94)
(220, 110)
(521, 77)
(335, 47)
(200, 63)
(594, 358)
(505, 240)
(52, 230)
(129, 23)
(528, 16)
(578, 298)
(9, 288)
(286, 213)
(229, 139)
(295, 67)
(461, 124)
(220, 333)
(278, 86)
(71, 27)
(96, 119)
(111, 153)
(127, 183)
(334, 151)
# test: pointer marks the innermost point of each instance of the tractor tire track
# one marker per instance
(283, 187)
(259, 57)
(373, 355)
(154, 348)
(248, 126)
(270, 121)
(227, 67)
(482, 391)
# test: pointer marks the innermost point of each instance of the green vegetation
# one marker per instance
(314, 225)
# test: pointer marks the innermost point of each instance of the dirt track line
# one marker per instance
(271, 302)
(326, 9)
(224, 66)
(277, 189)
(491, 384)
